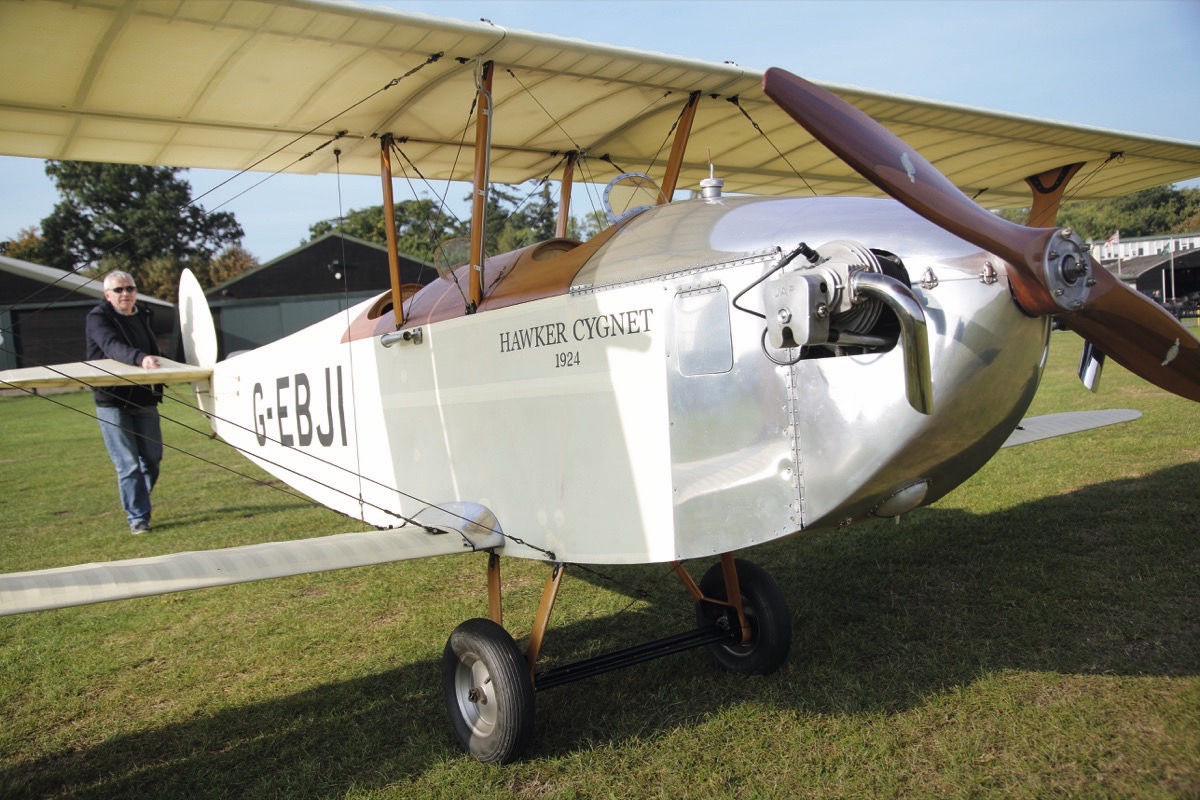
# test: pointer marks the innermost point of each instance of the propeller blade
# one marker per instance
(1140, 335)
(1049, 271)
(884, 159)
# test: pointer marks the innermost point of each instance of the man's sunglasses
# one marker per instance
(123, 289)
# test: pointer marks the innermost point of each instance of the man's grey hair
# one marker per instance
(110, 280)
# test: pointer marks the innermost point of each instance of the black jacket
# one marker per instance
(111, 334)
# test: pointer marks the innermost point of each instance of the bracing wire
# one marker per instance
(391, 83)
(358, 471)
(350, 351)
(737, 103)
(442, 208)
(324, 462)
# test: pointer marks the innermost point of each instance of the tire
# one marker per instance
(488, 694)
(766, 611)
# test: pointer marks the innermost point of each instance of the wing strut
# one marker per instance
(1048, 188)
(483, 155)
(389, 224)
(564, 202)
(683, 132)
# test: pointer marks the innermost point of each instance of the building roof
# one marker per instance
(329, 264)
(66, 282)
(1132, 269)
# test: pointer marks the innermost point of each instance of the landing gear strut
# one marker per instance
(488, 685)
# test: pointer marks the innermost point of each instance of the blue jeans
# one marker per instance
(133, 437)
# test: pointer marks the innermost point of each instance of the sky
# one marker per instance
(1128, 66)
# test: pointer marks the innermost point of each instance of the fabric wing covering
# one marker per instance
(273, 86)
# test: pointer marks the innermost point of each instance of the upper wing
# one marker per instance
(102, 372)
(281, 84)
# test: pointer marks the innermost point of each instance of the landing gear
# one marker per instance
(770, 639)
(488, 685)
(488, 694)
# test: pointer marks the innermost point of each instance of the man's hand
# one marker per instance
(150, 362)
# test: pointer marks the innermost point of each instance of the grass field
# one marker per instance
(1034, 634)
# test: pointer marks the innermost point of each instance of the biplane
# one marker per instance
(793, 323)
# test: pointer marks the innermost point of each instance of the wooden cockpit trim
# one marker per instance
(378, 318)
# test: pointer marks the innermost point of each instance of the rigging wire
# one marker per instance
(549, 116)
(391, 83)
(337, 154)
(638, 593)
(737, 104)
(358, 471)
(433, 233)
(247, 476)
(325, 462)
(67, 274)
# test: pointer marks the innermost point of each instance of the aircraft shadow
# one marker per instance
(1099, 581)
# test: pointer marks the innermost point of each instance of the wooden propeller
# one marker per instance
(1050, 272)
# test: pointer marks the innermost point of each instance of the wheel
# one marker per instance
(488, 694)
(766, 611)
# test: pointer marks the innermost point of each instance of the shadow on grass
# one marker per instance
(216, 516)
(1098, 581)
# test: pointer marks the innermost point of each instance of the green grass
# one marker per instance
(1034, 634)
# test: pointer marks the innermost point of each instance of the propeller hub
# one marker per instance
(1066, 267)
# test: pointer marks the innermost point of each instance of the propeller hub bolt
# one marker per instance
(1072, 268)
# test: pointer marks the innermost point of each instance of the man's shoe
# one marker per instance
(139, 527)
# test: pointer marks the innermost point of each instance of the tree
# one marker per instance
(499, 206)
(535, 221)
(1161, 209)
(229, 263)
(26, 247)
(420, 226)
(129, 215)
(587, 226)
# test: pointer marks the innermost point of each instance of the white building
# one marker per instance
(1120, 248)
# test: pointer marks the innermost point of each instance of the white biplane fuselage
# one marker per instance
(641, 416)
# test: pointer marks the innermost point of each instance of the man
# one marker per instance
(120, 329)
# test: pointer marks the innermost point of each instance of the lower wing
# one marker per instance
(102, 372)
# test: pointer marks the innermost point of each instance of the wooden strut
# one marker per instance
(732, 590)
(495, 611)
(1048, 188)
(483, 136)
(675, 162)
(733, 593)
(564, 203)
(620, 659)
(389, 219)
(542, 619)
